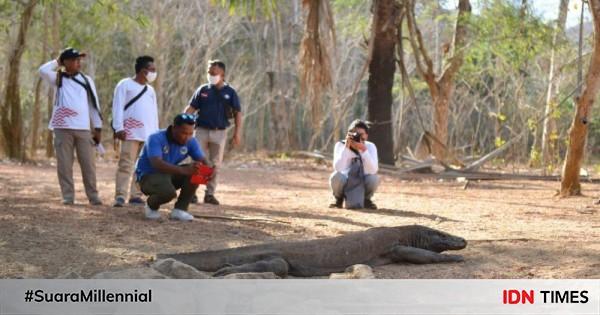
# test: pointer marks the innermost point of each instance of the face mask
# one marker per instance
(213, 79)
(151, 76)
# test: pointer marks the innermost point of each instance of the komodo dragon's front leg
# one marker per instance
(277, 265)
(415, 255)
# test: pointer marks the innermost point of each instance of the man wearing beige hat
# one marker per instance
(76, 105)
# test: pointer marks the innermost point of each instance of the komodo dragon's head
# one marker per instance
(434, 240)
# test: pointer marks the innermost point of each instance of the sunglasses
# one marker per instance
(188, 117)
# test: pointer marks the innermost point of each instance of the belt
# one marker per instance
(211, 128)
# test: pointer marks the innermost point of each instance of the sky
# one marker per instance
(548, 9)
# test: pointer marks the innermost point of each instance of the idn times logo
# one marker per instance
(514, 296)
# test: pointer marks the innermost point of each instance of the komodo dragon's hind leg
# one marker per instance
(415, 255)
(276, 265)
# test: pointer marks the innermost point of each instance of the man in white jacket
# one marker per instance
(135, 117)
(355, 148)
(75, 106)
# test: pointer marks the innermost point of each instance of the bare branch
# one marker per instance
(460, 41)
(419, 46)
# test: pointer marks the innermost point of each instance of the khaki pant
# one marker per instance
(213, 147)
(162, 188)
(130, 150)
(67, 141)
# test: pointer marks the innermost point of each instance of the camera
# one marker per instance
(355, 136)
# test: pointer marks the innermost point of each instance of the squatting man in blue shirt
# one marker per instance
(159, 173)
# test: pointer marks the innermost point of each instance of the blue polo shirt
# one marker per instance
(161, 144)
(210, 104)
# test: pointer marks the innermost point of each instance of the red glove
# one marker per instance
(202, 175)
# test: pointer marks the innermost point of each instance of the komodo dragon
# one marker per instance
(375, 247)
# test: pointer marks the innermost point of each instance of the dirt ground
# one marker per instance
(515, 229)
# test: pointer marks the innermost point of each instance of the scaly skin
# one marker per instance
(374, 247)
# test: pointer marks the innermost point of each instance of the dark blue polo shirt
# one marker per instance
(210, 105)
(161, 144)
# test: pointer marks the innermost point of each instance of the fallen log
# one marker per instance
(307, 155)
(235, 218)
(453, 175)
(495, 153)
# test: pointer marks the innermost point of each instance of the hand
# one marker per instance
(236, 140)
(188, 170)
(197, 164)
(97, 135)
(349, 141)
(121, 135)
(359, 146)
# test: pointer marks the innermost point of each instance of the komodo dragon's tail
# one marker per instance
(214, 260)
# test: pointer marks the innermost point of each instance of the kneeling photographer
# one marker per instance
(355, 163)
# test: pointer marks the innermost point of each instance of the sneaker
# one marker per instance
(96, 202)
(151, 214)
(136, 201)
(194, 199)
(119, 202)
(181, 215)
(68, 202)
(369, 204)
(339, 203)
(211, 199)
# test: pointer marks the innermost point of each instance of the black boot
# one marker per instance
(369, 204)
(210, 199)
(339, 203)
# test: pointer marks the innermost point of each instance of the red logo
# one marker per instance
(204, 94)
(60, 116)
(131, 123)
(516, 297)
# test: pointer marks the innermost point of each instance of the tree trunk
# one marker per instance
(38, 86)
(441, 89)
(580, 51)
(578, 133)
(51, 91)
(441, 110)
(11, 110)
(278, 124)
(381, 79)
(280, 113)
(161, 61)
(549, 137)
(437, 56)
(35, 124)
(312, 29)
(317, 44)
(522, 13)
(445, 85)
(49, 139)
(278, 109)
